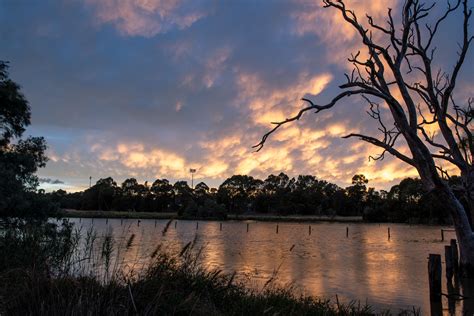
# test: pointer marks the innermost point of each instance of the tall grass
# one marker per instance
(89, 276)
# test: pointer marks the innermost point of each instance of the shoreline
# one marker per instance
(173, 215)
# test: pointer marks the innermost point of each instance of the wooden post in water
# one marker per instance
(92, 220)
(448, 258)
(442, 234)
(220, 227)
(106, 221)
(247, 227)
(197, 225)
(277, 229)
(347, 232)
(80, 219)
(138, 223)
(434, 275)
(155, 222)
(175, 224)
(121, 221)
(388, 231)
(454, 250)
(309, 230)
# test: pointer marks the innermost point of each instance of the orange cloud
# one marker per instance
(145, 17)
(327, 23)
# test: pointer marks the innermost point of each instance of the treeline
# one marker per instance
(277, 194)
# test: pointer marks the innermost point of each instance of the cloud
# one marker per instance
(340, 38)
(268, 103)
(50, 181)
(147, 17)
(158, 87)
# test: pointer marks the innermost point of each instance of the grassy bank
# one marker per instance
(116, 214)
(295, 218)
(170, 215)
(46, 274)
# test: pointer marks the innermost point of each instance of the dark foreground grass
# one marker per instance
(90, 279)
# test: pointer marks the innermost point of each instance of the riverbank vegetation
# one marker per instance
(276, 195)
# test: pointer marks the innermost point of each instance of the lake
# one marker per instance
(365, 266)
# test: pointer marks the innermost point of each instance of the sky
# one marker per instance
(151, 88)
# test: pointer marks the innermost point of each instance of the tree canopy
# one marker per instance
(19, 158)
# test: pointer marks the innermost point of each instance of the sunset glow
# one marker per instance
(151, 88)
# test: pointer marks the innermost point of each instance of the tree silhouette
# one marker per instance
(15, 111)
(238, 192)
(19, 160)
(402, 64)
(163, 194)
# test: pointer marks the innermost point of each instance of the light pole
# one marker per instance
(193, 171)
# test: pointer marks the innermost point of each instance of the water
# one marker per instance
(365, 266)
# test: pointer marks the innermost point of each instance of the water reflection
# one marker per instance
(365, 265)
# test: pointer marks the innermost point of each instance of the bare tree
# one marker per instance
(400, 63)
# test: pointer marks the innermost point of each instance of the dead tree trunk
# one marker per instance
(464, 233)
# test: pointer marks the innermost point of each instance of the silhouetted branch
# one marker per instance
(381, 144)
(312, 106)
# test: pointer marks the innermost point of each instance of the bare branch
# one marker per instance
(381, 144)
(433, 31)
(312, 106)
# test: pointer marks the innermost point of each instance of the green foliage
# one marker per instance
(15, 112)
(19, 158)
(238, 192)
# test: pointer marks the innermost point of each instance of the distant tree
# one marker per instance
(163, 194)
(238, 192)
(58, 196)
(130, 187)
(212, 209)
(134, 195)
(183, 196)
(101, 196)
(277, 191)
(359, 180)
(313, 194)
(201, 193)
(357, 194)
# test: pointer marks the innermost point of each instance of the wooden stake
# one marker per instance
(247, 227)
(277, 229)
(138, 223)
(121, 221)
(309, 230)
(448, 258)
(434, 275)
(175, 224)
(155, 222)
(220, 227)
(388, 231)
(197, 225)
(454, 249)
(347, 232)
